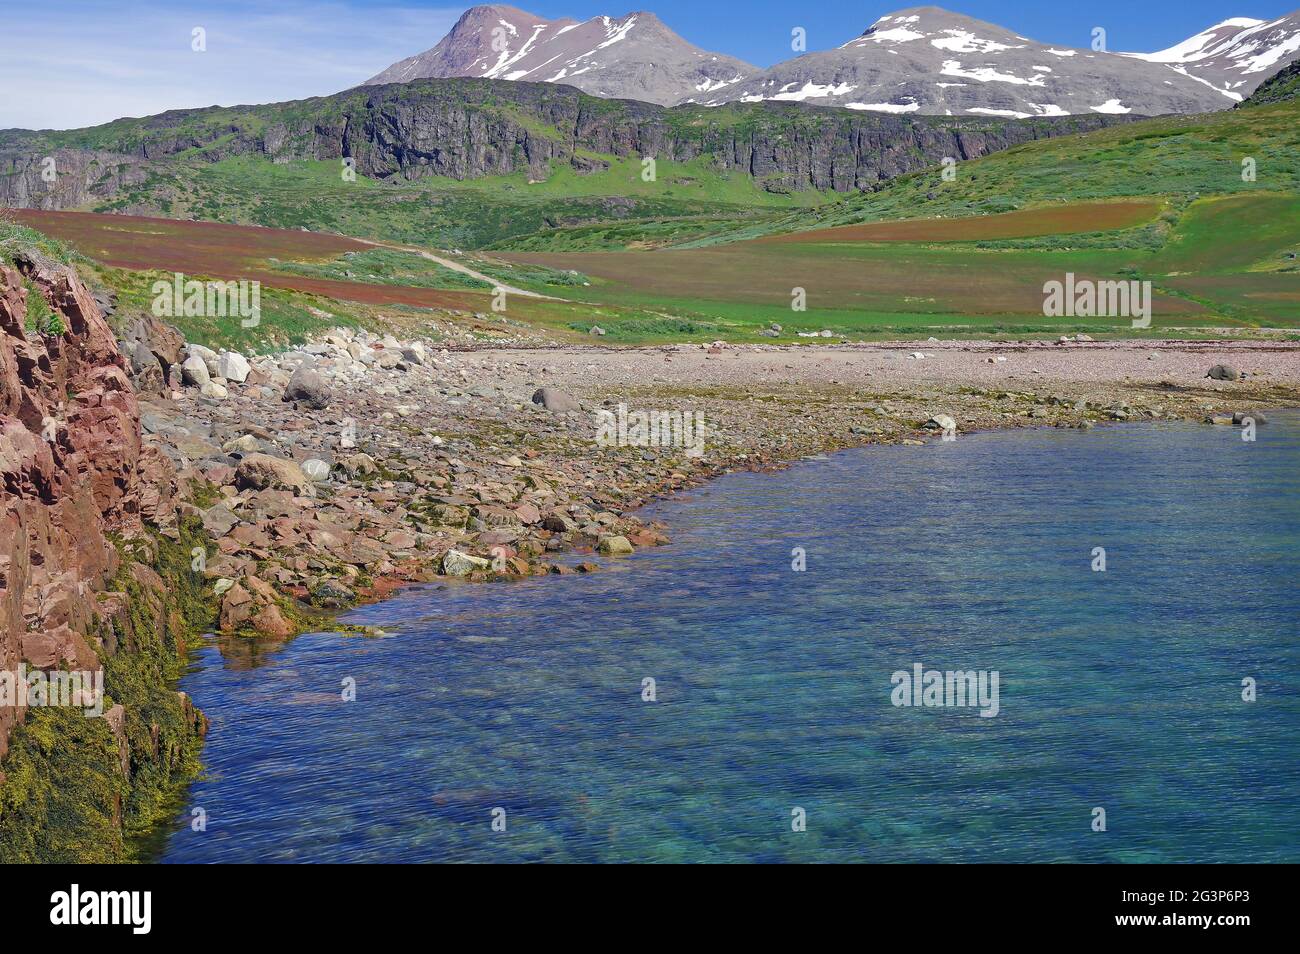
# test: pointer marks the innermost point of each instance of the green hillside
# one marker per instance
(1179, 157)
(685, 200)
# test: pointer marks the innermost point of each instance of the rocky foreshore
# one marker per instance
(333, 473)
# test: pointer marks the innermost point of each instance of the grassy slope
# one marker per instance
(1180, 157)
(436, 211)
(450, 213)
(210, 164)
(1282, 86)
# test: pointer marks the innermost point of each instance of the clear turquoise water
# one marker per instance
(1119, 690)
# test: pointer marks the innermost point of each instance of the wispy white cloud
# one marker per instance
(71, 63)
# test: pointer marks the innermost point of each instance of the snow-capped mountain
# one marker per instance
(631, 57)
(918, 60)
(930, 60)
(1234, 56)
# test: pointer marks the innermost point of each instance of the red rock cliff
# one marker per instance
(70, 462)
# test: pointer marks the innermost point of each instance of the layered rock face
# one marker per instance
(64, 178)
(471, 128)
(69, 470)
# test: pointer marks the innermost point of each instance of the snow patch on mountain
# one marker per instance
(885, 107)
(987, 74)
(1194, 46)
(959, 41)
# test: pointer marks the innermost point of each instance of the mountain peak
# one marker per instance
(635, 56)
(927, 59)
(930, 17)
(1236, 55)
(933, 24)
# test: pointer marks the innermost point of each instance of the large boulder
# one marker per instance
(248, 605)
(316, 469)
(555, 401)
(243, 444)
(359, 465)
(206, 355)
(194, 371)
(558, 523)
(1223, 372)
(162, 340)
(233, 366)
(307, 387)
(264, 472)
(146, 372)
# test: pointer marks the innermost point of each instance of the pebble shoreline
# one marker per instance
(439, 462)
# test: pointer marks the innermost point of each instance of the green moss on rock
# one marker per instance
(65, 797)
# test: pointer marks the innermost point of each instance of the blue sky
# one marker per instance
(71, 63)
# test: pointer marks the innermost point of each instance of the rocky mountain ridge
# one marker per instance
(1235, 56)
(922, 59)
(930, 60)
(469, 129)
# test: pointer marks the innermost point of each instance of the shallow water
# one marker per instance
(1118, 690)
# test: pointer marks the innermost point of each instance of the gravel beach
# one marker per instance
(393, 462)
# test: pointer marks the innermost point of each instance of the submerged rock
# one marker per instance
(456, 563)
(615, 546)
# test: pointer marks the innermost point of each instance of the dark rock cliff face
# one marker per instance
(76, 491)
(470, 128)
(62, 178)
